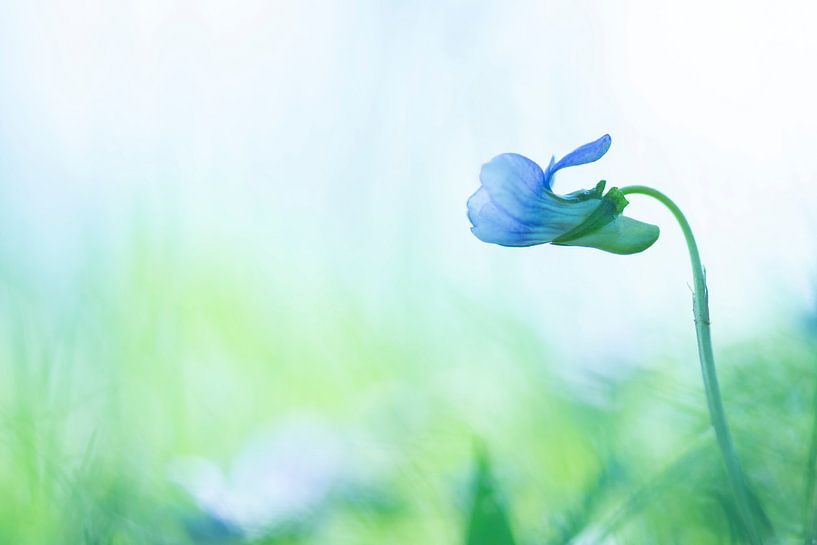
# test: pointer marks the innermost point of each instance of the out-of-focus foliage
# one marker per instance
(488, 522)
(197, 397)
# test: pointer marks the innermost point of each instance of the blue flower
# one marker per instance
(516, 206)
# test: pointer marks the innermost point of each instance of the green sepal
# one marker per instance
(605, 228)
(610, 207)
(623, 236)
(584, 194)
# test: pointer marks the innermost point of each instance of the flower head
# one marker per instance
(516, 206)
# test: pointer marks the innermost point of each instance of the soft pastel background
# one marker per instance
(239, 299)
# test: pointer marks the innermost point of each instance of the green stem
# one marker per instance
(700, 310)
(811, 489)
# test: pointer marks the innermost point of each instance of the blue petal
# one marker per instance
(486, 217)
(515, 185)
(513, 208)
(490, 224)
(580, 156)
(514, 181)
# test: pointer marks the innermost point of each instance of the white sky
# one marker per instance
(357, 129)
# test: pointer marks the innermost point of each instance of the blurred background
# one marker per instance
(240, 302)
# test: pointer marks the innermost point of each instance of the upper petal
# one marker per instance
(587, 153)
(513, 181)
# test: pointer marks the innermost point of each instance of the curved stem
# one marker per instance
(700, 310)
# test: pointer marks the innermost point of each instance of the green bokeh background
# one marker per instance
(225, 226)
(165, 351)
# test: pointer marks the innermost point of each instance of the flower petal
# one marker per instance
(622, 236)
(587, 153)
(491, 224)
(514, 182)
(515, 186)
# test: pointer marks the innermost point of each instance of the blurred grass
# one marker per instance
(161, 351)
